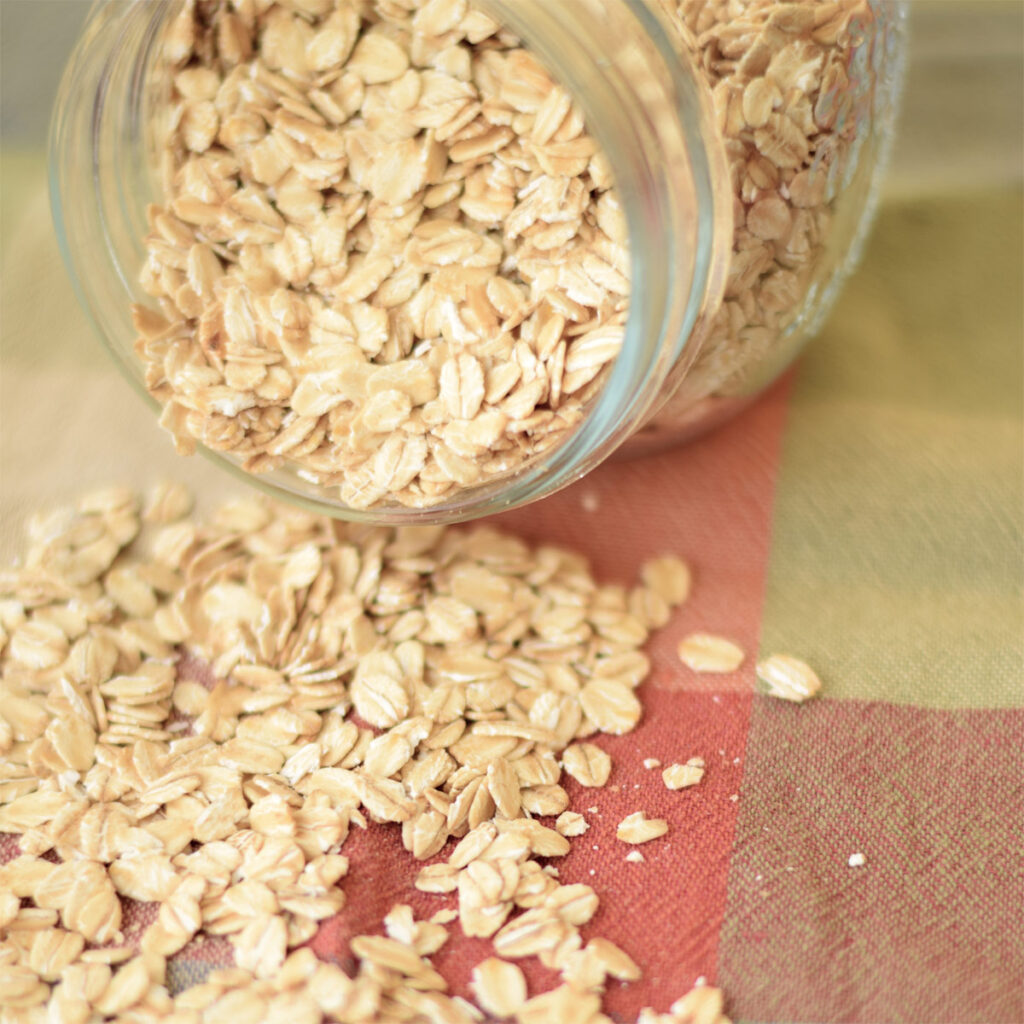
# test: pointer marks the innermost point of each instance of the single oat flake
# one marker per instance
(499, 987)
(668, 576)
(704, 652)
(788, 678)
(569, 823)
(682, 776)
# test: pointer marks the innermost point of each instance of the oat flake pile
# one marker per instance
(194, 715)
(390, 257)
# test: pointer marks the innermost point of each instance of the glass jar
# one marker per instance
(735, 255)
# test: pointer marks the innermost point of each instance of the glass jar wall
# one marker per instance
(744, 150)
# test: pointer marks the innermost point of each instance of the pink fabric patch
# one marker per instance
(929, 927)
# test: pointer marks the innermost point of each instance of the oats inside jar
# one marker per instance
(389, 253)
(391, 258)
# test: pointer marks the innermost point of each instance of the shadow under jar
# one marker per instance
(737, 149)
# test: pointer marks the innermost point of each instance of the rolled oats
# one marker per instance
(225, 801)
(390, 256)
(669, 577)
(704, 652)
(788, 678)
(499, 987)
(611, 706)
(789, 114)
(571, 824)
(682, 776)
(637, 828)
(353, 257)
(588, 764)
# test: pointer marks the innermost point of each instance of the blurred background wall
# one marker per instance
(963, 113)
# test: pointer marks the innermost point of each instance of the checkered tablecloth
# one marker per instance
(865, 515)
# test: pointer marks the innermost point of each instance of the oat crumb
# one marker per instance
(637, 828)
(570, 824)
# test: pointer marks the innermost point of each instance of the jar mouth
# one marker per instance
(100, 182)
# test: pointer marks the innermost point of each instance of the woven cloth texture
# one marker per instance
(865, 514)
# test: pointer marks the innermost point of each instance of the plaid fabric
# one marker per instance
(896, 569)
(864, 515)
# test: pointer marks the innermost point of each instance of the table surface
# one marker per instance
(866, 514)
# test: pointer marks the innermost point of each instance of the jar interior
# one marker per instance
(107, 121)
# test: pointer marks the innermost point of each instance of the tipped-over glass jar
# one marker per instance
(423, 260)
